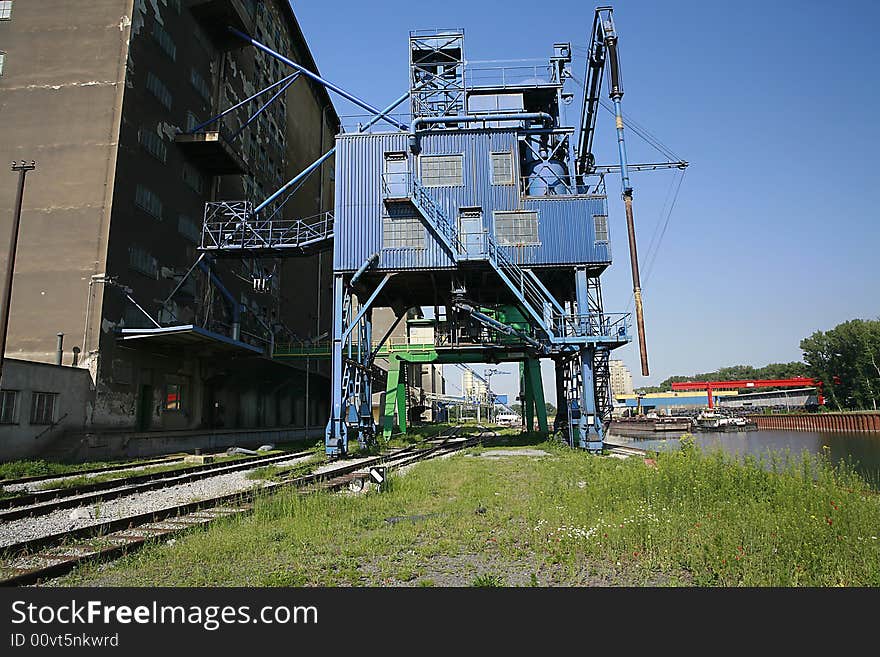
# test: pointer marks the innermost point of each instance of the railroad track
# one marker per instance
(165, 460)
(43, 502)
(42, 558)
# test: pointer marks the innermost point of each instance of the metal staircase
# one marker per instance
(602, 383)
(543, 308)
(403, 187)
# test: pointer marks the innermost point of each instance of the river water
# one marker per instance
(862, 450)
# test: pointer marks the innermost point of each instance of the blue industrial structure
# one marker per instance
(481, 208)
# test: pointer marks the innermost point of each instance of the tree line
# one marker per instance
(847, 360)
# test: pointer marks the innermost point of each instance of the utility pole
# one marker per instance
(22, 167)
(488, 374)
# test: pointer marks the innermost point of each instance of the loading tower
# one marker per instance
(478, 212)
(480, 209)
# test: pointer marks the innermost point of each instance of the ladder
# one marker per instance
(602, 383)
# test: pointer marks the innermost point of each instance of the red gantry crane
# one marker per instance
(709, 386)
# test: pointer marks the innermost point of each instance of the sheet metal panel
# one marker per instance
(565, 225)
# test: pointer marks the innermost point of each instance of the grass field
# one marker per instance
(566, 518)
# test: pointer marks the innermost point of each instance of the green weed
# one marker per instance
(696, 519)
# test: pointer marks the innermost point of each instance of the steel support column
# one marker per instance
(561, 420)
(366, 425)
(529, 399)
(387, 418)
(589, 424)
(335, 436)
(590, 435)
(535, 395)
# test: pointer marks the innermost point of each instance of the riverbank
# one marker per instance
(548, 517)
(849, 422)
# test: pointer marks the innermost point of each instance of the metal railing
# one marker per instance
(510, 76)
(537, 299)
(615, 326)
(547, 183)
(404, 185)
(360, 123)
(231, 226)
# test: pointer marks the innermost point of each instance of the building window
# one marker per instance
(153, 144)
(147, 201)
(134, 318)
(6, 10)
(188, 228)
(600, 223)
(502, 169)
(140, 260)
(516, 228)
(173, 397)
(8, 406)
(2, 61)
(43, 407)
(164, 40)
(441, 170)
(403, 232)
(159, 90)
(199, 84)
(194, 180)
(192, 122)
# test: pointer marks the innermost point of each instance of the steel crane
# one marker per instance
(709, 386)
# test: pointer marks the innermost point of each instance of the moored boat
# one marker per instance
(655, 424)
(712, 420)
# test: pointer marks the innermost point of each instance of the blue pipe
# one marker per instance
(312, 167)
(290, 77)
(305, 172)
(342, 92)
(265, 105)
(234, 305)
(369, 262)
(621, 146)
(473, 118)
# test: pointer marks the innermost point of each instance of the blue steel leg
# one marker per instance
(590, 435)
(335, 436)
(367, 427)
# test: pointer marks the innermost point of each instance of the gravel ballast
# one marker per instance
(24, 529)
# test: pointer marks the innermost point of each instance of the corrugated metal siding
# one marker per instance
(567, 231)
(565, 227)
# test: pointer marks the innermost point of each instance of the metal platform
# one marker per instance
(212, 153)
(230, 228)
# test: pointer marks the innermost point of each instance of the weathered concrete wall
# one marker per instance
(73, 406)
(60, 99)
(96, 447)
(74, 97)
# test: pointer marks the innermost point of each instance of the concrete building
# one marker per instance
(40, 401)
(104, 95)
(621, 378)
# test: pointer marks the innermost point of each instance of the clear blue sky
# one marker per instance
(775, 233)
